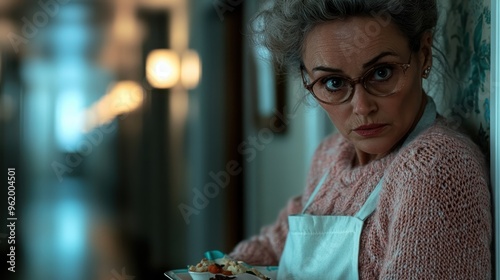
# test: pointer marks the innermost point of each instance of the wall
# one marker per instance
(464, 35)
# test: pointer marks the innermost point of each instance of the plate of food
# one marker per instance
(217, 266)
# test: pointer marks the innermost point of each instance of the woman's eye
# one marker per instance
(333, 83)
(382, 73)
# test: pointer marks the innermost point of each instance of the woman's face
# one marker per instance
(349, 48)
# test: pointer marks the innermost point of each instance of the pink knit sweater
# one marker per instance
(433, 219)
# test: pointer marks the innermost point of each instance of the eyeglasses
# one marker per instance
(381, 80)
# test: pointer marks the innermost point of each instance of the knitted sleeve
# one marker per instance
(436, 207)
(267, 247)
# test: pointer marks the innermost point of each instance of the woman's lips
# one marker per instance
(370, 130)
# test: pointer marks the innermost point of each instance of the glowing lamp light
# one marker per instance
(190, 69)
(162, 68)
(124, 97)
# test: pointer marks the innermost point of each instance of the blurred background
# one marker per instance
(146, 132)
(143, 133)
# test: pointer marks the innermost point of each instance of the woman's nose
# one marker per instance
(362, 102)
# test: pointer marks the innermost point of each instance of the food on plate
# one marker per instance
(202, 266)
(225, 267)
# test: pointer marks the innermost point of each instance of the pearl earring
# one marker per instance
(427, 71)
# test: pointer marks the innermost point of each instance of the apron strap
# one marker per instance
(371, 203)
(313, 194)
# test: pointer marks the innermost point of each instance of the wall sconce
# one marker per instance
(166, 68)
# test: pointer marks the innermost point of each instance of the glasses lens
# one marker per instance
(332, 89)
(385, 79)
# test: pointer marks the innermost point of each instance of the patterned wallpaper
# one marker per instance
(464, 40)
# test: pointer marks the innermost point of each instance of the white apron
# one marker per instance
(327, 247)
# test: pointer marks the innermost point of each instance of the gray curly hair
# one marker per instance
(283, 24)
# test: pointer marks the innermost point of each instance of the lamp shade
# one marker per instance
(163, 68)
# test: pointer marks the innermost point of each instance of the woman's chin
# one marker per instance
(372, 148)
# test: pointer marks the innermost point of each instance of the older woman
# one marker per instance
(396, 194)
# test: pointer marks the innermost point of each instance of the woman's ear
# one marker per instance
(425, 54)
